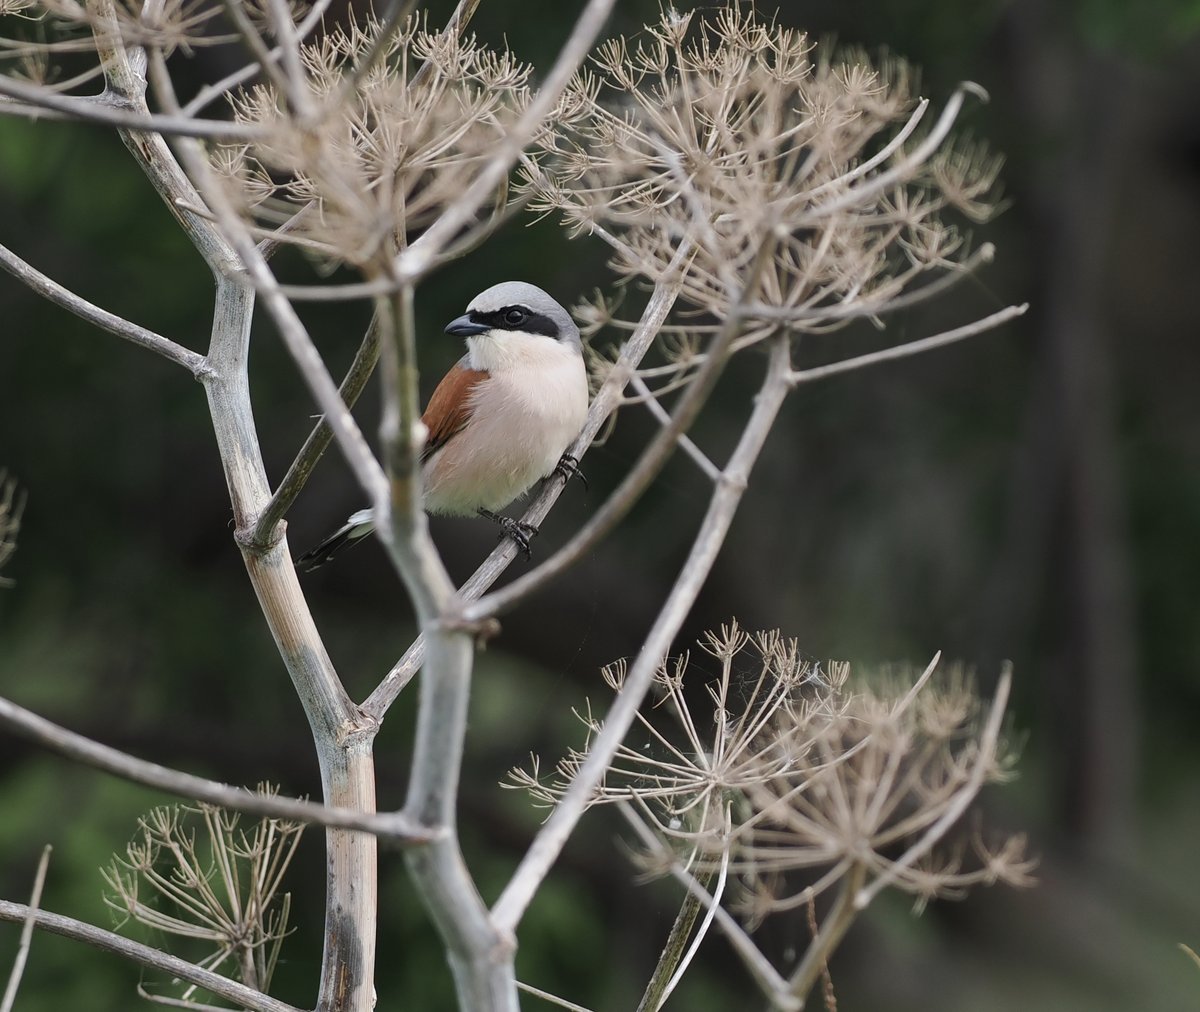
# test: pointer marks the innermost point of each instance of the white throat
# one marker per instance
(500, 351)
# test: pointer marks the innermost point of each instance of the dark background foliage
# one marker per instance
(1031, 494)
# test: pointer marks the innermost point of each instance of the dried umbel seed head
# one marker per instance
(379, 160)
(204, 874)
(738, 138)
(792, 770)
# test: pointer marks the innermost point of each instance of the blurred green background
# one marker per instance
(1032, 494)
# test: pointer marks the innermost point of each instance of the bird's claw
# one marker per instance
(568, 468)
(518, 530)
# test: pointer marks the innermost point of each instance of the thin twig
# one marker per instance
(108, 941)
(553, 999)
(837, 923)
(35, 899)
(318, 441)
(33, 102)
(253, 40)
(299, 96)
(169, 1002)
(911, 348)
(75, 746)
(34, 279)
(699, 457)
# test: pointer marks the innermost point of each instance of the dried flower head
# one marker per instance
(735, 137)
(388, 147)
(794, 771)
(195, 872)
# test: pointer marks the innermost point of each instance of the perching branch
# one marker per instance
(643, 472)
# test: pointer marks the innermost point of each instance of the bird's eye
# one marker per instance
(514, 317)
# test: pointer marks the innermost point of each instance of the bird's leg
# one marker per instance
(518, 530)
(568, 468)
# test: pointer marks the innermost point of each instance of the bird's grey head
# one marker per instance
(516, 306)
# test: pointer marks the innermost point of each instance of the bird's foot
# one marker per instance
(568, 468)
(518, 530)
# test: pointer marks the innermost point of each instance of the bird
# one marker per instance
(500, 420)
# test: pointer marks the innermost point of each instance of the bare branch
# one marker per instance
(296, 86)
(554, 999)
(75, 746)
(108, 941)
(35, 899)
(249, 33)
(196, 364)
(33, 102)
(911, 348)
(699, 457)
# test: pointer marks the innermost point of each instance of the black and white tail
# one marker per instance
(357, 527)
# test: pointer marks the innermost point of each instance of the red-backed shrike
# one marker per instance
(501, 418)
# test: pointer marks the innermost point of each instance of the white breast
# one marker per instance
(525, 414)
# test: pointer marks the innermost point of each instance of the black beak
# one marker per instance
(464, 326)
